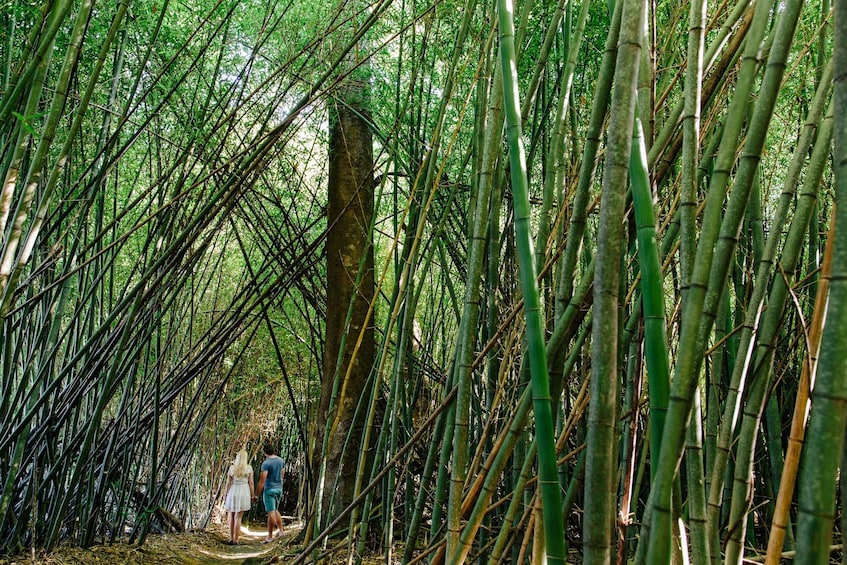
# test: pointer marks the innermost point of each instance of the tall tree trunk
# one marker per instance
(349, 352)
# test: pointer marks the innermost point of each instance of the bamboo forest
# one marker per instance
(516, 281)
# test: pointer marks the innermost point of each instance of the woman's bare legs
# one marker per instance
(237, 526)
(232, 530)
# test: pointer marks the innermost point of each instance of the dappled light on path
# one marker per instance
(249, 546)
(203, 547)
(213, 547)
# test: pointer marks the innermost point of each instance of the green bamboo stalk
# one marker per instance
(776, 462)
(715, 386)
(588, 165)
(429, 467)
(358, 528)
(658, 366)
(828, 417)
(31, 181)
(781, 517)
(434, 455)
(630, 443)
(697, 508)
(732, 406)
(442, 478)
(762, 366)
(646, 87)
(549, 187)
(652, 292)
(602, 420)
(406, 280)
(573, 41)
(517, 497)
(556, 549)
(9, 483)
(492, 472)
(691, 139)
(40, 58)
(718, 43)
(556, 177)
(494, 243)
(10, 43)
(494, 468)
(23, 129)
(657, 530)
(457, 434)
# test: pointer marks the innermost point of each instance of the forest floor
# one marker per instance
(207, 547)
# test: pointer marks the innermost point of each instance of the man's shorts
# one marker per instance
(271, 496)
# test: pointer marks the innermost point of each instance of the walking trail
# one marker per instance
(207, 547)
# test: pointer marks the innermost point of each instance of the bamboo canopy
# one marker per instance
(502, 282)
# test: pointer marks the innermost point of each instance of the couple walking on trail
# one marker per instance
(240, 493)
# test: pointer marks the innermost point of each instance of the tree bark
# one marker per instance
(349, 352)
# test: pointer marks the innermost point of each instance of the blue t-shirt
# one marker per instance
(273, 465)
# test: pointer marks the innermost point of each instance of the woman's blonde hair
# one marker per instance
(240, 467)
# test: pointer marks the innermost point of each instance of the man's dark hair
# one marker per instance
(268, 449)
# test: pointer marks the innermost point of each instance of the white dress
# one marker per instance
(238, 497)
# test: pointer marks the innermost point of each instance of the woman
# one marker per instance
(239, 486)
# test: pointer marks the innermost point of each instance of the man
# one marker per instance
(271, 481)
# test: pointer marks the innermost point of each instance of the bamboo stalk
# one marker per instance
(602, 420)
(689, 358)
(801, 409)
(733, 402)
(556, 549)
(827, 420)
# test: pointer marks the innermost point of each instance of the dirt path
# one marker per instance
(207, 547)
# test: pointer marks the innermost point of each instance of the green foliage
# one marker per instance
(176, 217)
